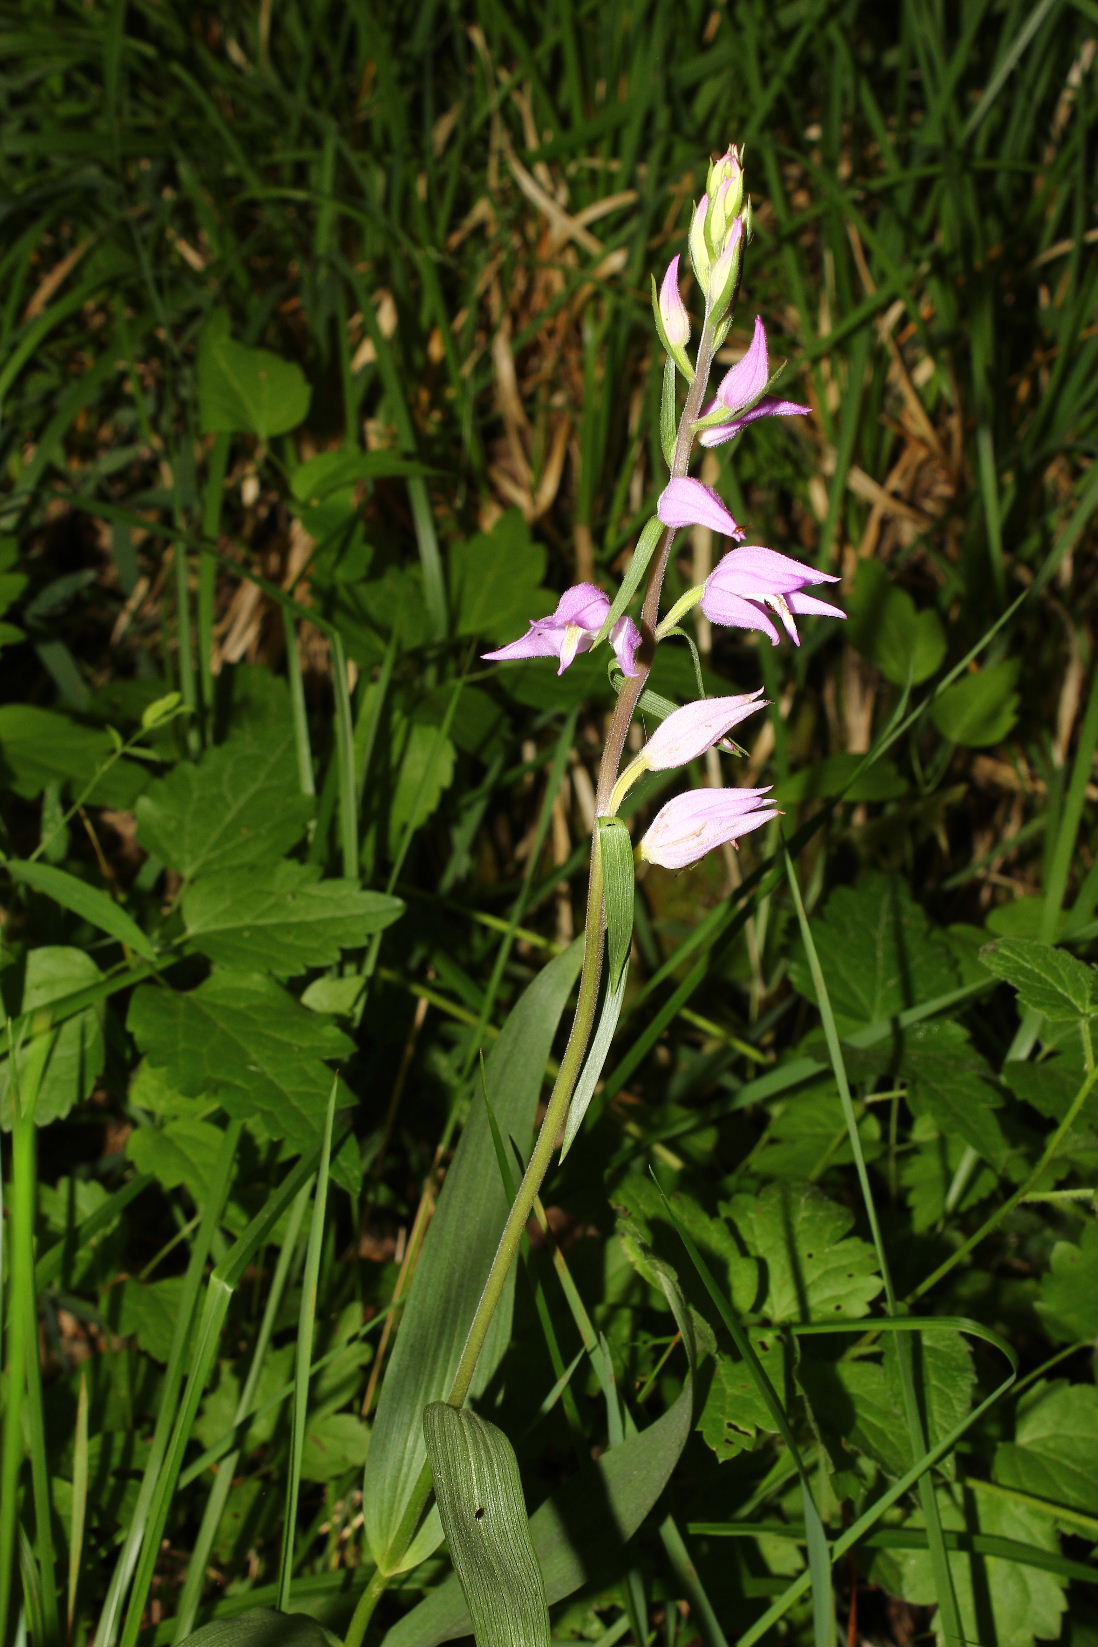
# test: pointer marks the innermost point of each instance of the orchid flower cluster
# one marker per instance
(748, 584)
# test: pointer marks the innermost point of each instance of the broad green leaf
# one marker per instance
(88, 902)
(878, 952)
(853, 1412)
(981, 709)
(495, 581)
(243, 390)
(1067, 1300)
(326, 488)
(946, 1382)
(149, 1312)
(334, 1445)
(262, 1627)
(185, 1153)
(281, 917)
(813, 1270)
(1054, 1447)
(246, 1040)
(1001, 1600)
(948, 1080)
(906, 645)
(42, 746)
(76, 1053)
(1048, 980)
(928, 1174)
(735, 1410)
(455, 1260)
(479, 1495)
(239, 805)
(808, 1134)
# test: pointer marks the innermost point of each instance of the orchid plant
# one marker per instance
(749, 583)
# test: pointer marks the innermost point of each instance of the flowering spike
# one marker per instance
(750, 578)
(570, 630)
(693, 824)
(687, 502)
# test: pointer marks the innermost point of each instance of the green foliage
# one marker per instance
(232, 883)
(483, 1513)
(243, 390)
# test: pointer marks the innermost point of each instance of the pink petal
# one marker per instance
(748, 378)
(694, 823)
(767, 407)
(687, 502)
(676, 321)
(688, 732)
(736, 613)
(536, 643)
(755, 572)
(809, 603)
(584, 604)
(625, 637)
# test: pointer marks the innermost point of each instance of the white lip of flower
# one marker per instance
(573, 634)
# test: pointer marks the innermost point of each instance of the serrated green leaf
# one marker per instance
(1068, 1297)
(814, 1270)
(1054, 1447)
(906, 645)
(42, 746)
(479, 1496)
(981, 709)
(240, 804)
(247, 1041)
(452, 1267)
(263, 1627)
(281, 917)
(1048, 980)
(878, 952)
(88, 902)
(946, 1380)
(808, 1133)
(496, 580)
(149, 1312)
(735, 1410)
(948, 1080)
(334, 1444)
(183, 1154)
(76, 1052)
(243, 390)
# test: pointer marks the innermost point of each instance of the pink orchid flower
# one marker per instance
(687, 502)
(741, 392)
(571, 629)
(693, 824)
(750, 578)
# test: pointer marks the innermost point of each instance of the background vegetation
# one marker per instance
(266, 816)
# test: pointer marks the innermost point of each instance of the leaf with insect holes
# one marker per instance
(813, 1270)
(736, 1416)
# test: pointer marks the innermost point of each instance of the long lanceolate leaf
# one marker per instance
(457, 1254)
(479, 1496)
